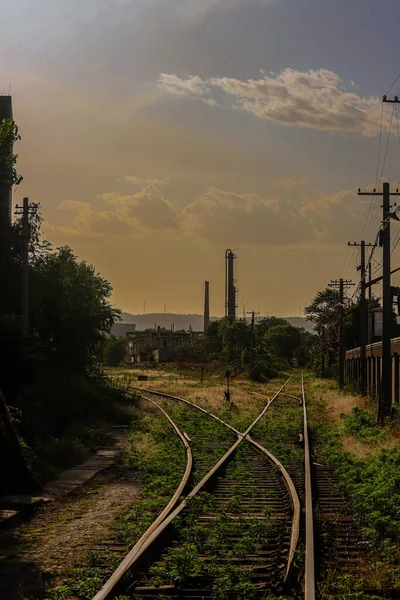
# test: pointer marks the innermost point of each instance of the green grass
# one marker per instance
(373, 487)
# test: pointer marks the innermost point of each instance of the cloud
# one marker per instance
(117, 215)
(144, 182)
(316, 98)
(296, 216)
(246, 219)
(83, 220)
(148, 208)
(299, 216)
(189, 10)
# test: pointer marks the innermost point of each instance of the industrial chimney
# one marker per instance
(206, 304)
(230, 289)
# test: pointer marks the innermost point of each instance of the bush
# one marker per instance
(114, 352)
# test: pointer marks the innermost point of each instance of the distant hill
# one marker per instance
(181, 321)
(301, 322)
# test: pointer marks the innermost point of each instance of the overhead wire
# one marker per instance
(370, 212)
(393, 84)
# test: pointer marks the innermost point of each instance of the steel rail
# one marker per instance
(294, 497)
(192, 404)
(107, 590)
(134, 552)
(309, 575)
(282, 394)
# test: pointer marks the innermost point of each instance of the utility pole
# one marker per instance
(253, 321)
(370, 313)
(25, 210)
(363, 317)
(341, 284)
(385, 400)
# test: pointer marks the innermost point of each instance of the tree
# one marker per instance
(213, 340)
(266, 324)
(8, 178)
(114, 351)
(324, 311)
(70, 310)
(286, 338)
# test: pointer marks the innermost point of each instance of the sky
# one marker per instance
(157, 133)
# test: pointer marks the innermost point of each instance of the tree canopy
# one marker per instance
(70, 308)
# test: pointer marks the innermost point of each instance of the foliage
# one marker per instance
(266, 324)
(285, 338)
(324, 311)
(255, 350)
(373, 483)
(9, 176)
(114, 351)
(233, 583)
(362, 424)
(190, 351)
(69, 309)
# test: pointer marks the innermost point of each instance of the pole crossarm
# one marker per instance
(378, 279)
(394, 100)
(341, 284)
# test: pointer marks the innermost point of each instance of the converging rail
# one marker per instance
(122, 572)
(136, 551)
(309, 574)
(286, 477)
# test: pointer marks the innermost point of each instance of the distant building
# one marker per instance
(5, 196)
(122, 329)
(142, 346)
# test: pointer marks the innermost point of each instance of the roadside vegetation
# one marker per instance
(366, 458)
(54, 405)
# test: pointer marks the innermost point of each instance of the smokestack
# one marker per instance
(230, 289)
(206, 304)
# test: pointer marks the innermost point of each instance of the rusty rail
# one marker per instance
(309, 575)
(137, 549)
(152, 533)
(294, 497)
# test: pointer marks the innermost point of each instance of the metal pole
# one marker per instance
(385, 400)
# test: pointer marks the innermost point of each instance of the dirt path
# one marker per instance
(42, 552)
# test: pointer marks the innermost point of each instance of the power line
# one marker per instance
(387, 142)
(368, 218)
(393, 84)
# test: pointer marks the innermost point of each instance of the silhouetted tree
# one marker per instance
(70, 310)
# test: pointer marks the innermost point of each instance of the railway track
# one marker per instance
(249, 528)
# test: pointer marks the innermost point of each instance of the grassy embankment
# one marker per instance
(367, 460)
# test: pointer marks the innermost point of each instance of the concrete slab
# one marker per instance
(24, 502)
(8, 516)
(104, 458)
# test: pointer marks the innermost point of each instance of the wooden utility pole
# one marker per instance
(25, 210)
(253, 322)
(370, 312)
(363, 317)
(385, 400)
(341, 284)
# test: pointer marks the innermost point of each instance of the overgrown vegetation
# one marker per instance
(234, 534)
(261, 349)
(373, 487)
(48, 366)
